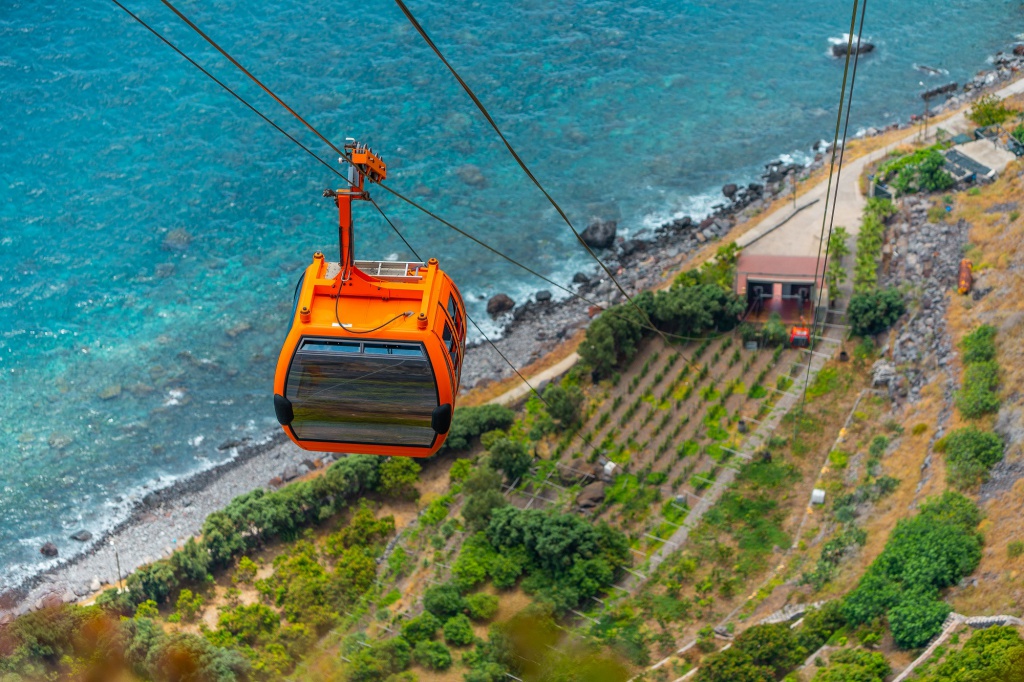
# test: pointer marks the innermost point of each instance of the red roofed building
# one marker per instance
(787, 285)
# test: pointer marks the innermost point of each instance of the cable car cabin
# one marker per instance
(372, 360)
(799, 337)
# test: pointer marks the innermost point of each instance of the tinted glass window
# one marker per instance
(449, 338)
(377, 394)
(453, 312)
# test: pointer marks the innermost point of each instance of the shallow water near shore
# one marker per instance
(151, 228)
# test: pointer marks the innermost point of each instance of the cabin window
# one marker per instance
(448, 337)
(367, 393)
(456, 315)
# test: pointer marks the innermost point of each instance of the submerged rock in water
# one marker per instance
(177, 240)
(82, 536)
(110, 392)
(600, 234)
(862, 47)
(49, 549)
(542, 296)
(499, 303)
(471, 175)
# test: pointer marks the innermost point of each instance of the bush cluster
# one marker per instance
(990, 110)
(875, 311)
(854, 665)
(970, 453)
(699, 301)
(979, 396)
(869, 244)
(767, 652)
(470, 422)
(923, 555)
(995, 654)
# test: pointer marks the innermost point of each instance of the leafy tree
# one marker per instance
(363, 530)
(444, 601)
(989, 110)
(732, 665)
(188, 605)
(154, 581)
(192, 562)
(482, 607)
(970, 453)
(511, 457)
(483, 496)
(460, 471)
(379, 660)
(250, 624)
(564, 404)
(432, 655)
(916, 619)
(246, 571)
(773, 645)
(221, 539)
(469, 422)
(398, 477)
(874, 312)
(183, 656)
(458, 631)
(422, 627)
(612, 338)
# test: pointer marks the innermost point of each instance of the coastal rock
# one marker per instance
(239, 328)
(110, 392)
(862, 47)
(94, 585)
(82, 536)
(1018, 50)
(290, 472)
(275, 482)
(59, 441)
(542, 296)
(177, 240)
(49, 549)
(600, 234)
(631, 246)
(580, 278)
(499, 303)
(730, 190)
(471, 175)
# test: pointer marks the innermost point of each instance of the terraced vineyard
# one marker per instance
(673, 421)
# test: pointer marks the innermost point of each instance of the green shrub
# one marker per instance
(979, 345)
(923, 555)
(482, 607)
(511, 457)
(994, 654)
(444, 601)
(398, 477)
(470, 422)
(970, 453)
(1015, 549)
(989, 110)
(774, 331)
(250, 624)
(612, 339)
(420, 628)
(874, 312)
(245, 572)
(458, 631)
(432, 655)
(978, 396)
(563, 404)
(854, 665)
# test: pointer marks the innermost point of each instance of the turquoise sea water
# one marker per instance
(151, 229)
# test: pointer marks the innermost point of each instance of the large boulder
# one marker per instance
(499, 303)
(49, 549)
(600, 234)
(730, 190)
(591, 496)
(1018, 50)
(862, 47)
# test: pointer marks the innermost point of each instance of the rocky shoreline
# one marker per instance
(164, 519)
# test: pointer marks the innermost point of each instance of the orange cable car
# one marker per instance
(372, 360)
